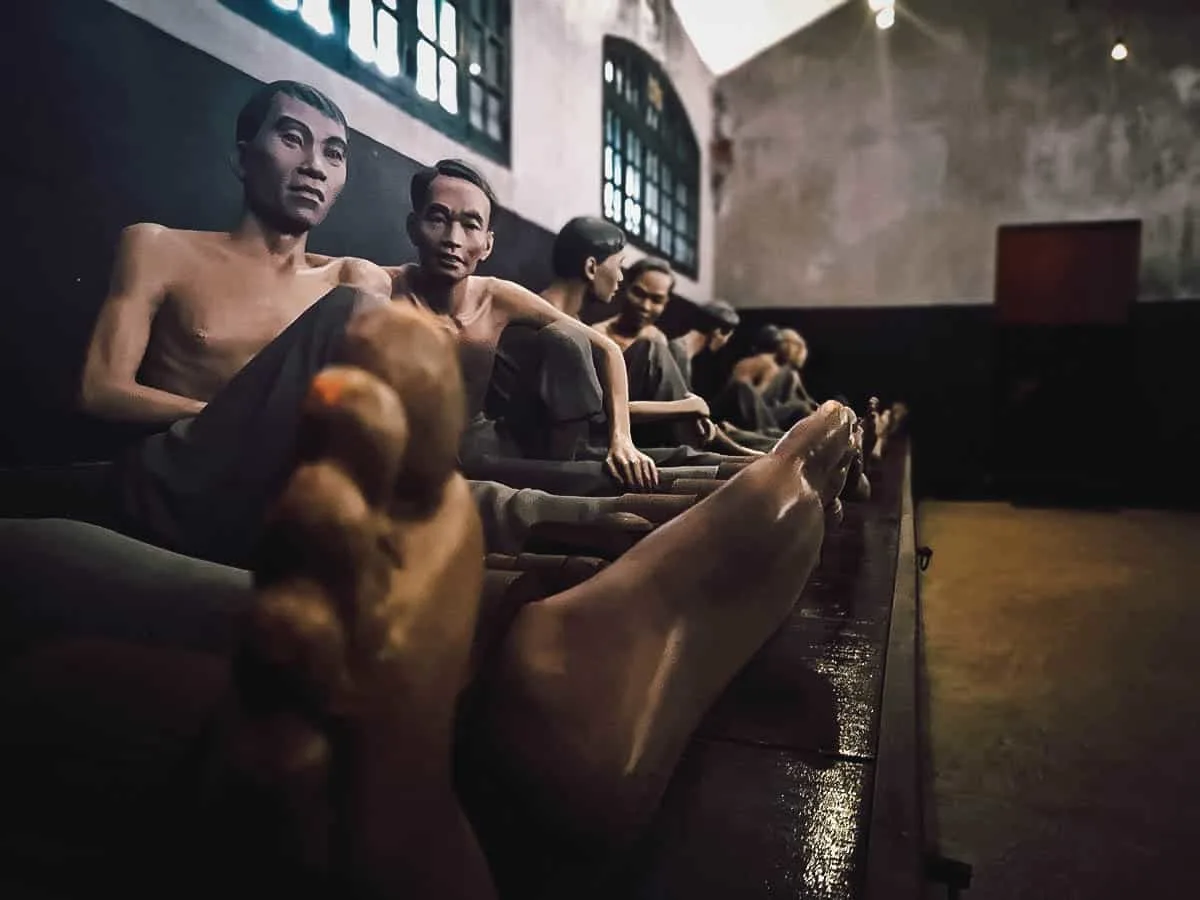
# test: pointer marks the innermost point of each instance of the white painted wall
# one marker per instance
(557, 143)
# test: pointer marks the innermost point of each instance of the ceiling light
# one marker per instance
(886, 18)
(878, 5)
(1119, 51)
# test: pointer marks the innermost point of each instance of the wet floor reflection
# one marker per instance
(771, 801)
(744, 822)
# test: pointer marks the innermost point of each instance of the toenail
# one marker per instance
(329, 388)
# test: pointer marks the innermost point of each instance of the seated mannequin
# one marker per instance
(662, 405)
(452, 205)
(774, 374)
(360, 643)
(789, 388)
(739, 403)
(544, 389)
(885, 423)
(219, 334)
(713, 326)
(765, 390)
(450, 228)
(189, 314)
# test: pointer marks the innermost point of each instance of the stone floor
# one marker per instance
(1062, 651)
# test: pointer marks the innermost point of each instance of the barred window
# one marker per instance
(444, 61)
(651, 184)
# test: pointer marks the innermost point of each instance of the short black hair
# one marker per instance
(250, 120)
(649, 264)
(418, 189)
(581, 239)
(766, 340)
(717, 315)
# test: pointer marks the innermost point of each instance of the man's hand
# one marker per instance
(630, 466)
(699, 405)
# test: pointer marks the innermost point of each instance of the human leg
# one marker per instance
(613, 676)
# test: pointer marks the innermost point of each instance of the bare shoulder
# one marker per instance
(152, 255)
(509, 301)
(501, 290)
(365, 275)
(744, 368)
(604, 326)
(153, 239)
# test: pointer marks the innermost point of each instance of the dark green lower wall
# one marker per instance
(1115, 405)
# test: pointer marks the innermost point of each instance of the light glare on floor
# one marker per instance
(886, 18)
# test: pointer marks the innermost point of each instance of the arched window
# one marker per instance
(651, 158)
(444, 61)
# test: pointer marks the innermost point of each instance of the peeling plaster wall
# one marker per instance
(873, 168)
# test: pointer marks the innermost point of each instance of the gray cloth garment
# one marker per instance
(679, 353)
(202, 487)
(739, 404)
(67, 577)
(508, 514)
(543, 397)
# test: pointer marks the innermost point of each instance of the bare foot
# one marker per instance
(369, 581)
(719, 442)
(598, 689)
(858, 486)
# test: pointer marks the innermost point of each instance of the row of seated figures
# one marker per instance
(415, 563)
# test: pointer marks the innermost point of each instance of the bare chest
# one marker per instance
(480, 324)
(234, 317)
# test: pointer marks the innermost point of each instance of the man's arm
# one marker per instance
(629, 464)
(753, 371)
(687, 407)
(138, 288)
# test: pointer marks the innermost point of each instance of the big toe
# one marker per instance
(354, 420)
(820, 438)
(413, 354)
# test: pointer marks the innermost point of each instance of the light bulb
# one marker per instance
(886, 18)
(1119, 51)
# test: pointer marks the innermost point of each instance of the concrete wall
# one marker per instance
(556, 63)
(873, 168)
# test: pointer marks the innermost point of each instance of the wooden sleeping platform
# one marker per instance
(801, 783)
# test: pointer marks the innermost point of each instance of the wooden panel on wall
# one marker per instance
(1079, 273)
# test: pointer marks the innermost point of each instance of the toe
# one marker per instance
(296, 658)
(353, 420)
(411, 353)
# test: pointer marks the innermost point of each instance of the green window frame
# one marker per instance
(446, 62)
(651, 168)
